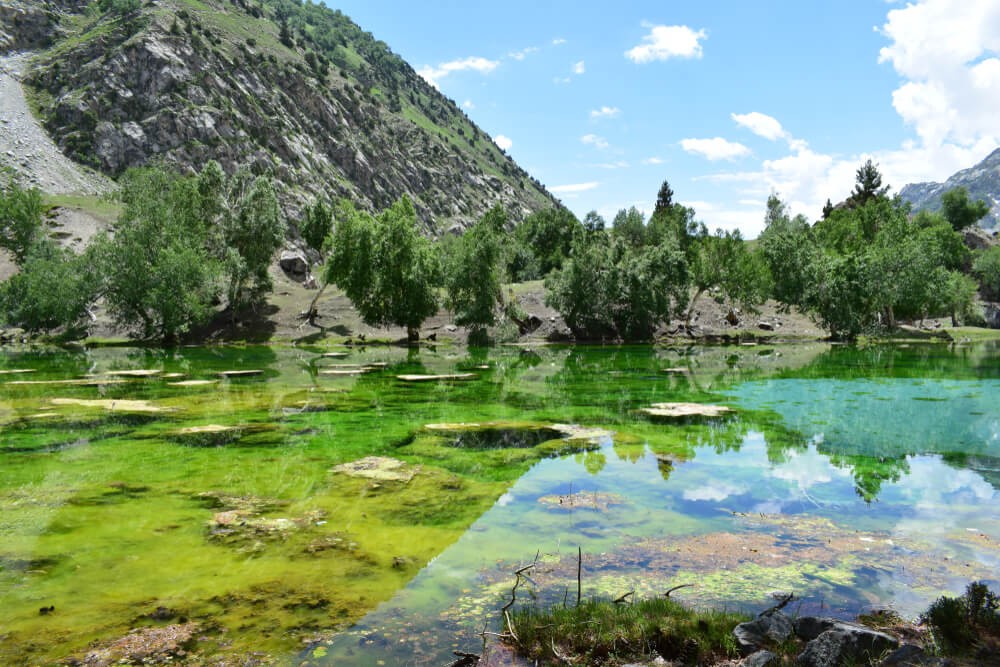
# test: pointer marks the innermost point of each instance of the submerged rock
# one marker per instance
(599, 501)
(208, 435)
(435, 378)
(112, 404)
(681, 410)
(147, 646)
(381, 468)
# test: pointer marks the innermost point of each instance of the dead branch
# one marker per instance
(622, 598)
(667, 594)
(579, 573)
(557, 654)
(781, 605)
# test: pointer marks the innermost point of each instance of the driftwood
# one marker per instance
(667, 594)
(518, 574)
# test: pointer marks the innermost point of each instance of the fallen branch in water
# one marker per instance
(667, 594)
(621, 599)
(781, 605)
(518, 575)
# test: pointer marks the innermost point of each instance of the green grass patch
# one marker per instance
(599, 632)
(99, 207)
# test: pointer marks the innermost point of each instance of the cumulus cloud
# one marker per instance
(762, 125)
(653, 160)
(947, 53)
(667, 41)
(467, 104)
(621, 164)
(594, 140)
(503, 142)
(715, 149)
(557, 41)
(605, 112)
(579, 68)
(573, 188)
(434, 74)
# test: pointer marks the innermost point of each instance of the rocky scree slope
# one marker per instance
(982, 181)
(297, 91)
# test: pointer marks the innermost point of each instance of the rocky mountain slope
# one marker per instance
(298, 91)
(982, 181)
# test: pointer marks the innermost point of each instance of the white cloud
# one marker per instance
(467, 104)
(557, 41)
(762, 125)
(594, 140)
(714, 491)
(946, 51)
(557, 80)
(574, 188)
(715, 149)
(698, 205)
(475, 63)
(667, 41)
(523, 53)
(579, 68)
(503, 142)
(653, 160)
(621, 164)
(605, 112)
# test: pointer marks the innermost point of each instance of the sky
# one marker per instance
(728, 100)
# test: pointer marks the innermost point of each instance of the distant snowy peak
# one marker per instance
(982, 181)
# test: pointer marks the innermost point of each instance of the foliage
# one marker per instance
(960, 211)
(593, 223)
(610, 290)
(629, 226)
(790, 252)
(53, 289)
(959, 623)
(723, 262)
(601, 632)
(160, 276)
(316, 225)
(869, 185)
(383, 264)
(474, 274)
(119, 6)
(549, 235)
(20, 220)
(987, 267)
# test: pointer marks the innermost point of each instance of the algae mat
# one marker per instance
(381, 520)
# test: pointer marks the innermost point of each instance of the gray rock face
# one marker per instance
(811, 627)
(907, 654)
(844, 643)
(982, 181)
(769, 627)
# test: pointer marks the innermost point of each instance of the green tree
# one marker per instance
(54, 289)
(316, 225)
(593, 223)
(868, 185)
(549, 235)
(474, 272)
(160, 275)
(960, 211)
(664, 198)
(724, 263)
(386, 268)
(790, 253)
(609, 289)
(629, 226)
(20, 220)
(987, 267)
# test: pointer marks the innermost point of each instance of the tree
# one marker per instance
(285, 35)
(960, 211)
(386, 268)
(20, 219)
(160, 275)
(316, 225)
(723, 262)
(593, 223)
(611, 290)
(987, 267)
(827, 209)
(474, 274)
(53, 289)
(790, 252)
(549, 235)
(630, 227)
(868, 185)
(664, 198)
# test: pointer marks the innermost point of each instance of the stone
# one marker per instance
(681, 410)
(382, 468)
(761, 659)
(907, 654)
(294, 263)
(770, 627)
(112, 405)
(811, 627)
(434, 378)
(766, 326)
(845, 643)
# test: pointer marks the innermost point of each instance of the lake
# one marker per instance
(322, 510)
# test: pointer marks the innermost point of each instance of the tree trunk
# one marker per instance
(412, 334)
(311, 312)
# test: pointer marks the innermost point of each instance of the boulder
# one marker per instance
(761, 659)
(907, 654)
(766, 326)
(845, 643)
(811, 627)
(770, 627)
(294, 263)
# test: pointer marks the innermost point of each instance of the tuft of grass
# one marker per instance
(967, 624)
(599, 632)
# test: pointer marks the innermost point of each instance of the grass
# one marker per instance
(99, 207)
(599, 632)
(973, 333)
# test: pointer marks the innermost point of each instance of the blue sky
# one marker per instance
(727, 100)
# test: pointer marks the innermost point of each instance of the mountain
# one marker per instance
(295, 90)
(982, 181)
